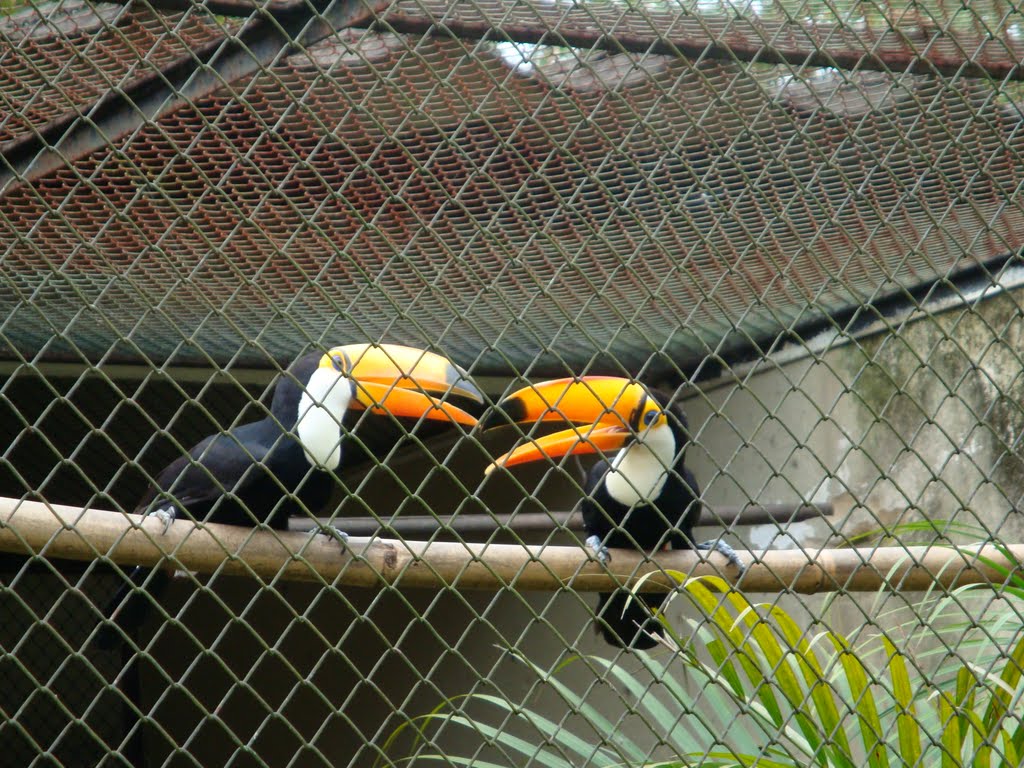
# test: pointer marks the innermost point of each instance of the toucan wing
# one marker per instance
(217, 465)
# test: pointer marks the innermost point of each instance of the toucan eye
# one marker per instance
(339, 363)
(649, 417)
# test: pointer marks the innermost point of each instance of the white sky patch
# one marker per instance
(517, 56)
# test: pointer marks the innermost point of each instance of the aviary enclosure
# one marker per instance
(511, 383)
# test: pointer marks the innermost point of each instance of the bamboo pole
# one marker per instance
(52, 531)
(414, 526)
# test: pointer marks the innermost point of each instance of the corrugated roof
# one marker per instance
(583, 210)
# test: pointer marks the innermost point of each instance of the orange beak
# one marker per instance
(397, 380)
(604, 404)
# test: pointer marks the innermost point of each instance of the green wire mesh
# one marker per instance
(804, 215)
(523, 210)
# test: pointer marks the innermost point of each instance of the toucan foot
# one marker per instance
(334, 533)
(600, 550)
(724, 549)
(165, 514)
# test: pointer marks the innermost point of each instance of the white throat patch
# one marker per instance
(638, 473)
(321, 409)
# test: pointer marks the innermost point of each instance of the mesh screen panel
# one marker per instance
(616, 206)
(797, 223)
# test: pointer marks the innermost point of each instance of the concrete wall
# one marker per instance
(922, 422)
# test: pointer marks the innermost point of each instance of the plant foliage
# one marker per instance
(753, 687)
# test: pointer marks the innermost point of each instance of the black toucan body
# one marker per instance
(642, 497)
(265, 472)
(667, 519)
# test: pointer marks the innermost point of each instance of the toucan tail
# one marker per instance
(131, 604)
(625, 619)
(123, 616)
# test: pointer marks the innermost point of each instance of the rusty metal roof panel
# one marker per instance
(621, 212)
(61, 57)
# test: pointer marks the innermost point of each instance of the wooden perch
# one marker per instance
(51, 531)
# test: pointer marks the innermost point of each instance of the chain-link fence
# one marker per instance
(325, 266)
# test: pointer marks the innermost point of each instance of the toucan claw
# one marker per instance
(600, 550)
(334, 533)
(165, 514)
(724, 549)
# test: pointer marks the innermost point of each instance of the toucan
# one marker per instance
(641, 497)
(267, 471)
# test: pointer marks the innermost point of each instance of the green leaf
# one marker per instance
(817, 684)
(712, 702)
(723, 622)
(952, 736)
(969, 722)
(578, 704)
(999, 704)
(412, 723)
(906, 724)
(871, 731)
(743, 760)
(721, 656)
(665, 720)
(529, 749)
(758, 692)
(778, 663)
(716, 648)
(554, 732)
(455, 760)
